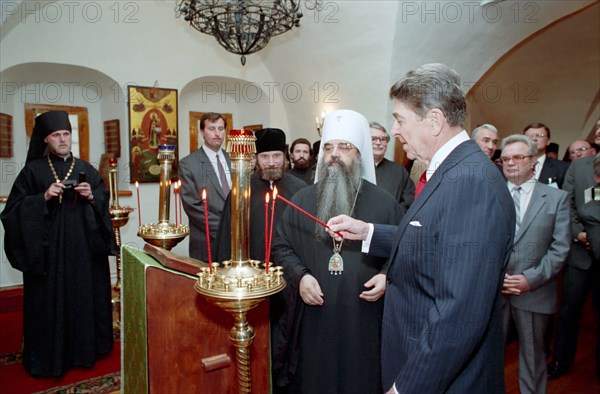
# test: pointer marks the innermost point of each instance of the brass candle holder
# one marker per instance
(119, 217)
(240, 284)
(164, 234)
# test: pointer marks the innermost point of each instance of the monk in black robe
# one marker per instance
(58, 233)
(330, 339)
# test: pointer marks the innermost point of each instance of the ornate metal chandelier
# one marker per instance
(242, 26)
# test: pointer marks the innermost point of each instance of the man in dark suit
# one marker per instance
(390, 175)
(205, 169)
(548, 170)
(541, 246)
(581, 273)
(442, 322)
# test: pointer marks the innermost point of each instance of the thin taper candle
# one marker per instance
(180, 203)
(291, 204)
(266, 222)
(175, 203)
(271, 230)
(137, 188)
(207, 229)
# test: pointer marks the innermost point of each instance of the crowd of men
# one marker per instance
(412, 287)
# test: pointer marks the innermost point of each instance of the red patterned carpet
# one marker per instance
(104, 377)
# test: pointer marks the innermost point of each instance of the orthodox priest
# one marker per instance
(59, 234)
(271, 172)
(331, 337)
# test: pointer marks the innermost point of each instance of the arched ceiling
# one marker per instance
(345, 56)
(553, 77)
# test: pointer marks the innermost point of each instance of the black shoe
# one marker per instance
(556, 370)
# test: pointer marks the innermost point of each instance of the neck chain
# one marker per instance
(336, 263)
(56, 175)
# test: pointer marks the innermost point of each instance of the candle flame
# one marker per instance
(137, 184)
(274, 193)
(203, 194)
(266, 198)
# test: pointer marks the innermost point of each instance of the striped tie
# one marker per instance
(516, 195)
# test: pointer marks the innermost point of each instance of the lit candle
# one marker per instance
(266, 222)
(207, 229)
(175, 203)
(137, 188)
(180, 203)
(271, 230)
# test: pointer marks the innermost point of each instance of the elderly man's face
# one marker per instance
(336, 151)
(517, 163)
(380, 140)
(414, 132)
(59, 142)
(579, 149)
(540, 137)
(487, 141)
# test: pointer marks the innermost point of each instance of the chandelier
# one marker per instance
(243, 27)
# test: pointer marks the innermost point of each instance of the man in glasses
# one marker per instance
(549, 171)
(390, 175)
(579, 149)
(332, 341)
(541, 246)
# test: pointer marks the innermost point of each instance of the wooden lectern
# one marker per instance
(174, 340)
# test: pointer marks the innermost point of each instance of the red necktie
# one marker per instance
(421, 184)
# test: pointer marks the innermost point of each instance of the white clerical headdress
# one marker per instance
(350, 126)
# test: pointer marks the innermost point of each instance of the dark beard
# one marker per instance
(301, 163)
(336, 191)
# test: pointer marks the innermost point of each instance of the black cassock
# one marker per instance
(62, 250)
(333, 348)
(287, 186)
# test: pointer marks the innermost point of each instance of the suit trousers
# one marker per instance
(577, 284)
(531, 328)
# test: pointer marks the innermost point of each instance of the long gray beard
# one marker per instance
(336, 192)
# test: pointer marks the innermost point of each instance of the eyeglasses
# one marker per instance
(343, 147)
(515, 158)
(380, 139)
(579, 150)
(536, 135)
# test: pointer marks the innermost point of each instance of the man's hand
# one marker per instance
(514, 284)
(54, 190)
(310, 291)
(85, 190)
(348, 227)
(377, 285)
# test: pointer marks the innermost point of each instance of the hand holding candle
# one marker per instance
(207, 230)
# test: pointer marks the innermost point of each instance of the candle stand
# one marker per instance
(164, 234)
(119, 217)
(240, 284)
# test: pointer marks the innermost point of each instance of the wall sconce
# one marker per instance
(319, 122)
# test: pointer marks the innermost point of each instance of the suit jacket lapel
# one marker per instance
(537, 201)
(453, 159)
